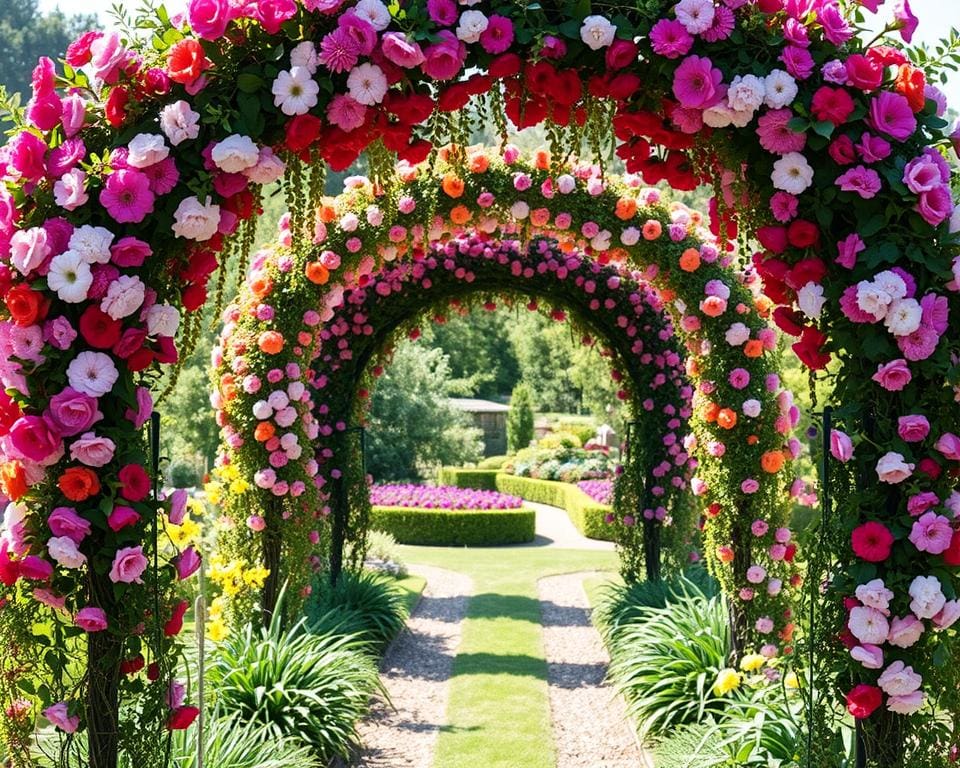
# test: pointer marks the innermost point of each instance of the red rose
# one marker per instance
(25, 305)
(240, 204)
(166, 351)
(773, 239)
(187, 61)
(9, 570)
(116, 106)
(454, 97)
(153, 672)
(140, 360)
(886, 56)
(809, 349)
(622, 86)
(134, 482)
(804, 234)
(202, 263)
(832, 104)
(788, 320)
(409, 108)
(871, 541)
(621, 53)
(129, 343)
(175, 622)
(98, 329)
(930, 468)
(194, 297)
(302, 131)
(132, 666)
(417, 152)
(863, 72)
(78, 52)
(182, 718)
(505, 66)
(842, 151)
(951, 555)
(863, 699)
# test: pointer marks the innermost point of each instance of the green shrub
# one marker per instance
(296, 685)
(492, 462)
(183, 475)
(520, 418)
(229, 742)
(455, 528)
(584, 430)
(666, 661)
(383, 555)
(563, 463)
(587, 515)
(560, 440)
(370, 605)
(481, 479)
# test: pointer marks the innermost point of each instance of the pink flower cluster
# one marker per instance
(440, 497)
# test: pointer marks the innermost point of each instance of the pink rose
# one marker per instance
(91, 619)
(906, 704)
(273, 13)
(400, 50)
(128, 565)
(870, 656)
(949, 445)
(935, 206)
(209, 18)
(64, 521)
(893, 376)
(121, 517)
(931, 533)
(72, 412)
(899, 679)
(444, 59)
(913, 428)
(92, 450)
(893, 468)
(187, 563)
(59, 716)
(948, 615)
(129, 252)
(178, 506)
(34, 438)
(905, 632)
(841, 446)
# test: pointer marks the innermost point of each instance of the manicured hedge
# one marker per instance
(455, 528)
(585, 513)
(483, 479)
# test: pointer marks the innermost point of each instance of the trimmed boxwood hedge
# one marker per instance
(481, 479)
(584, 512)
(455, 527)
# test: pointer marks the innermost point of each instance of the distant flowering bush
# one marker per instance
(598, 490)
(440, 497)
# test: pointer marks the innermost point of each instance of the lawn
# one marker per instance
(498, 715)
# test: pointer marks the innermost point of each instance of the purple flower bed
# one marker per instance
(440, 497)
(598, 490)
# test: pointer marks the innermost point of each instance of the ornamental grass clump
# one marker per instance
(363, 603)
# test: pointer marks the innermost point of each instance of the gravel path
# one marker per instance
(590, 723)
(416, 673)
(554, 529)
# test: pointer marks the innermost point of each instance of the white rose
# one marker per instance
(746, 93)
(520, 210)
(903, 317)
(305, 55)
(64, 550)
(92, 244)
(162, 320)
(892, 468)
(872, 299)
(235, 154)
(194, 220)
(792, 173)
(124, 297)
(472, 25)
(810, 299)
(752, 408)
(780, 89)
(928, 598)
(597, 32)
(146, 149)
(630, 236)
(566, 184)
(892, 283)
(179, 122)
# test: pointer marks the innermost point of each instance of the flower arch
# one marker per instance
(137, 169)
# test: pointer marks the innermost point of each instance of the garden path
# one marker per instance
(415, 671)
(554, 529)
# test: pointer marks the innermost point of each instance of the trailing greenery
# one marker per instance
(481, 479)
(367, 604)
(312, 688)
(586, 514)
(520, 418)
(456, 527)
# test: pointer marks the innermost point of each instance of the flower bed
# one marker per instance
(565, 463)
(598, 490)
(455, 527)
(440, 497)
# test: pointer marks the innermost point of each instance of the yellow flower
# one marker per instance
(188, 532)
(728, 680)
(790, 680)
(255, 577)
(752, 662)
(239, 486)
(216, 630)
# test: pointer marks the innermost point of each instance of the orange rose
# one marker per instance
(725, 554)
(452, 185)
(911, 83)
(13, 480)
(773, 461)
(79, 483)
(460, 215)
(25, 305)
(626, 208)
(327, 213)
(317, 273)
(187, 61)
(652, 230)
(261, 286)
(690, 260)
(264, 431)
(727, 418)
(753, 440)
(479, 163)
(541, 159)
(270, 342)
(753, 348)
(710, 412)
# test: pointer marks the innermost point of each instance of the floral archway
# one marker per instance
(136, 171)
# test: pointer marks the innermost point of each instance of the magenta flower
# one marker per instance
(931, 533)
(498, 36)
(860, 180)
(890, 113)
(696, 83)
(905, 18)
(440, 497)
(127, 196)
(91, 619)
(893, 376)
(670, 39)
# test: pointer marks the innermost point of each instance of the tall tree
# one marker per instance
(26, 35)
(520, 419)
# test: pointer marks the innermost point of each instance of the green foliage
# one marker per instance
(520, 418)
(492, 462)
(480, 478)
(456, 527)
(312, 688)
(412, 427)
(369, 604)
(229, 742)
(560, 440)
(667, 659)
(544, 351)
(568, 463)
(383, 555)
(183, 475)
(588, 516)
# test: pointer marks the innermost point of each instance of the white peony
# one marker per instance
(872, 299)
(124, 297)
(927, 597)
(472, 25)
(146, 149)
(91, 243)
(295, 91)
(64, 550)
(194, 220)
(892, 283)
(367, 84)
(792, 173)
(305, 55)
(70, 277)
(375, 13)
(235, 154)
(810, 299)
(746, 93)
(780, 89)
(179, 122)
(597, 32)
(903, 317)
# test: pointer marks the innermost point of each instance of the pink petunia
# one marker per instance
(127, 196)
(696, 83)
(861, 180)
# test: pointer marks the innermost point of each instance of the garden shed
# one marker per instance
(491, 418)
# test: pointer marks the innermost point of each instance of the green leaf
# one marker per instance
(824, 128)
(249, 83)
(880, 253)
(798, 124)
(873, 225)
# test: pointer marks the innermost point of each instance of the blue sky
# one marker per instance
(936, 16)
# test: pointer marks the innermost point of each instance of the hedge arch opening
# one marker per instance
(828, 149)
